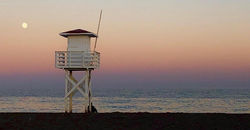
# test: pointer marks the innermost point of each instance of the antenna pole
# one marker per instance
(100, 18)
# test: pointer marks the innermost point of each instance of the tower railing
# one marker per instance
(77, 59)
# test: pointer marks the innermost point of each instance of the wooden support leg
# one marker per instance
(89, 94)
(86, 91)
(71, 95)
(88, 74)
(90, 91)
(66, 91)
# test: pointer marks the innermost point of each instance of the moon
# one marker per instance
(24, 25)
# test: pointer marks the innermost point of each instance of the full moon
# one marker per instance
(24, 25)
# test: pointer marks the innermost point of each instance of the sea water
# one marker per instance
(130, 100)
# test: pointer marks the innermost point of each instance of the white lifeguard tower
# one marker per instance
(78, 57)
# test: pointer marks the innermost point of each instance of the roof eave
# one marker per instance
(78, 34)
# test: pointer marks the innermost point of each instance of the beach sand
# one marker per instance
(122, 121)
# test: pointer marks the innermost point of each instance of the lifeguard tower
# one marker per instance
(78, 57)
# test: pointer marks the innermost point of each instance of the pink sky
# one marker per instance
(140, 37)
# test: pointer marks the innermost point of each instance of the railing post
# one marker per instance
(94, 59)
(56, 59)
(69, 56)
(82, 58)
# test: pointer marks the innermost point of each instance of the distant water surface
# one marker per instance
(130, 100)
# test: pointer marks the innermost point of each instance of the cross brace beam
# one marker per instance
(72, 86)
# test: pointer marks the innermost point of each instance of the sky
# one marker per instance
(143, 43)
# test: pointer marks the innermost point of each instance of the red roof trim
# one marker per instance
(78, 32)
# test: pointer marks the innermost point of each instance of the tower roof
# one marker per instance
(78, 32)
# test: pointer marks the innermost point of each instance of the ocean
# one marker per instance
(130, 100)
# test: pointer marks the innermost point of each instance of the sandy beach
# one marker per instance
(124, 121)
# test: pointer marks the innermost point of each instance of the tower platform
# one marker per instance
(77, 60)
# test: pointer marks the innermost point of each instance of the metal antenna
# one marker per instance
(100, 18)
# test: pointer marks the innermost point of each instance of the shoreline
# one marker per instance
(117, 120)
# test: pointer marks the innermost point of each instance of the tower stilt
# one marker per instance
(66, 91)
(71, 95)
(88, 88)
(89, 91)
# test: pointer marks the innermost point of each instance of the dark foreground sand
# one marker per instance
(139, 121)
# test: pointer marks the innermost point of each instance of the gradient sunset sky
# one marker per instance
(143, 43)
